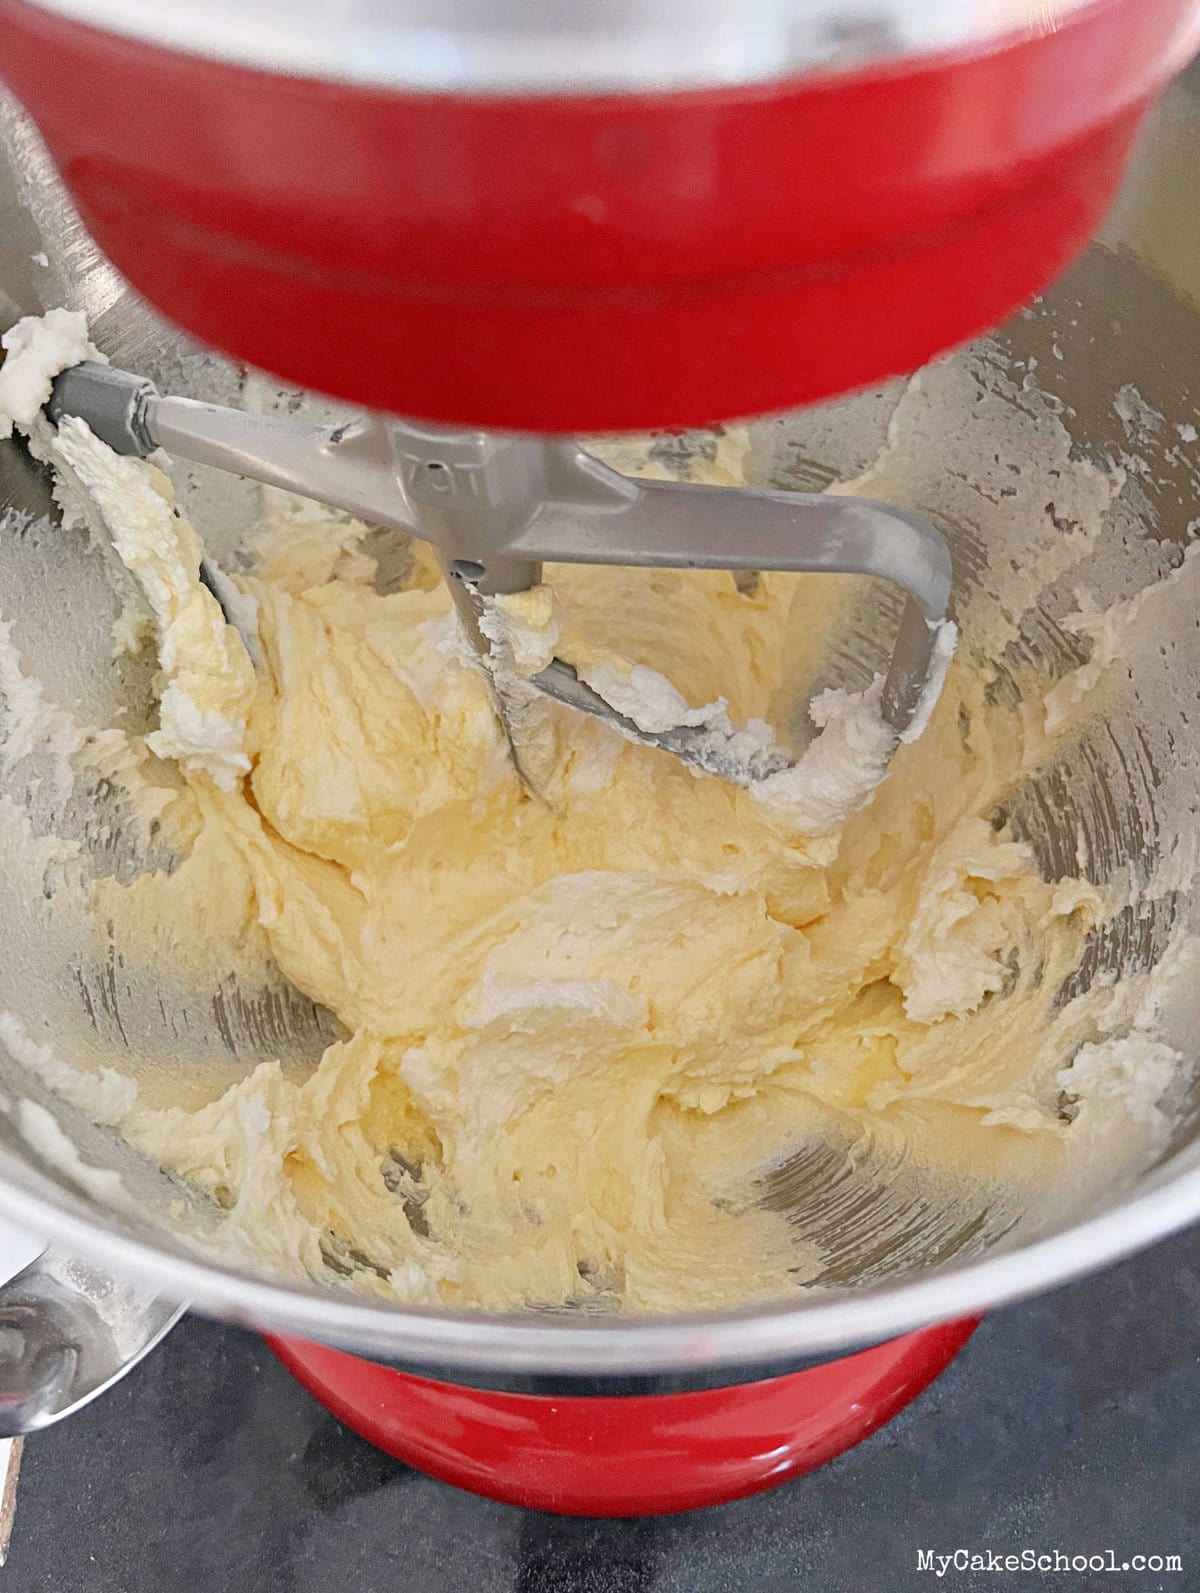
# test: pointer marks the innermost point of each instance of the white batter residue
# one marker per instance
(835, 776)
(37, 348)
(202, 709)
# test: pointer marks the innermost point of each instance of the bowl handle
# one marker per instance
(68, 1331)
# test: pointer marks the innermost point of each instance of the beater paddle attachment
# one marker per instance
(495, 507)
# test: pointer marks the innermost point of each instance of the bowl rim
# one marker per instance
(819, 1327)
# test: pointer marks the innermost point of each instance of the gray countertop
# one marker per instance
(1070, 1423)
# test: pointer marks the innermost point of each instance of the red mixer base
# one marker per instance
(632, 1455)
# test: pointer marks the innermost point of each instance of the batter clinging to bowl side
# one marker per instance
(576, 1026)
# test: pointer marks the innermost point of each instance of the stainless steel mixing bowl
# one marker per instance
(1125, 321)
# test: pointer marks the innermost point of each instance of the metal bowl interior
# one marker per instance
(1109, 354)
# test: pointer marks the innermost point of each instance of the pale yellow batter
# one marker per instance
(577, 1026)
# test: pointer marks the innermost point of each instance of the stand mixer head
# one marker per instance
(555, 220)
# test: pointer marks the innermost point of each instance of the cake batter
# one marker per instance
(576, 1025)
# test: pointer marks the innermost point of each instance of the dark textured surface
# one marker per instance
(1072, 1422)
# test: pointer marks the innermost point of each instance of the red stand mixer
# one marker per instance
(558, 220)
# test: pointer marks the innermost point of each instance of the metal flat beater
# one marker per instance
(496, 506)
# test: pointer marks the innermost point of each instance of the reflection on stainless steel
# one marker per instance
(1112, 802)
(531, 46)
